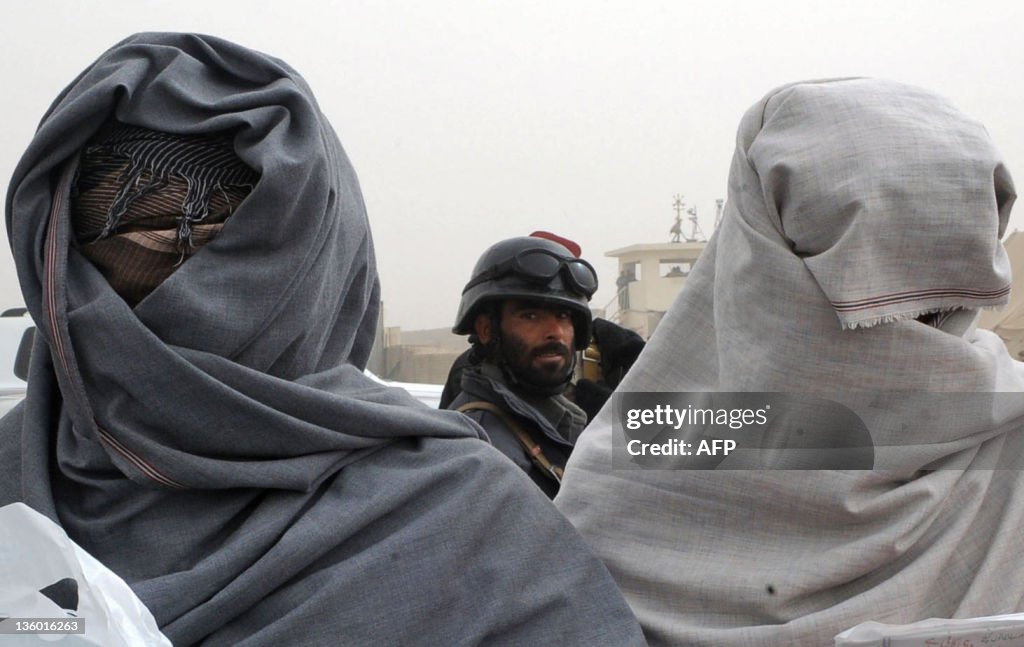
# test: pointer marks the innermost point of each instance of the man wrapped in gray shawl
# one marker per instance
(204, 428)
(860, 238)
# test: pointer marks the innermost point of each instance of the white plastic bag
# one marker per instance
(36, 559)
(990, 631)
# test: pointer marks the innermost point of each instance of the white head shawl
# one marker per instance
(855, 207)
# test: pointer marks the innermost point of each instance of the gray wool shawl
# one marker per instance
(219, 447)
(855, 207)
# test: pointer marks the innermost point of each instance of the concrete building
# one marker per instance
(423, 356)
(419, 355)
(650, 275)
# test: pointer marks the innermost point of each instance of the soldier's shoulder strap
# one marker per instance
(533, 450)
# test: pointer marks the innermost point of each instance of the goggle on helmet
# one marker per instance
(532, 269)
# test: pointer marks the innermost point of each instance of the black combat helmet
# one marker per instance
(532, 269)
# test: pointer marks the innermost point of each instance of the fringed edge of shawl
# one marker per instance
(913, 314)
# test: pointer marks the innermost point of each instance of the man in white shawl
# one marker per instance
(859, 242)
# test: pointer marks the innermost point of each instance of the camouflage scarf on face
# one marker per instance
(145, 201)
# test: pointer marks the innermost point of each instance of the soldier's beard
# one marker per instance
(549, 378)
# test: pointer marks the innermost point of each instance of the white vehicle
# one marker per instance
(428, 394)
(15, 322)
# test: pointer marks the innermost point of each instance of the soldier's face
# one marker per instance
(537, 341)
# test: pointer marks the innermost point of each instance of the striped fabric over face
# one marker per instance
(145, 201)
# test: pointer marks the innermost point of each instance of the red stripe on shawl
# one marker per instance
(141, 464)
(900, 297)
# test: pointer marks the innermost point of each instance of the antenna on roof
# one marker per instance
(696, 235)
(677, 227)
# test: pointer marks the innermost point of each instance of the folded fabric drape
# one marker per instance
(218, 445)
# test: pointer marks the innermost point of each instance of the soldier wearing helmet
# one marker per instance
(526, 311)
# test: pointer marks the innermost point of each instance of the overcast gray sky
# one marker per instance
(471, 121)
